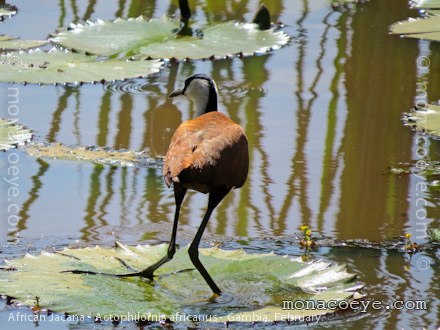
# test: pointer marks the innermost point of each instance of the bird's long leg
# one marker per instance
(179, 194)
(214, 199)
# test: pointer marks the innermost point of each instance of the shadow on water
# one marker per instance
(322, 117)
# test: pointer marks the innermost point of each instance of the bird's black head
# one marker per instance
(202, 90)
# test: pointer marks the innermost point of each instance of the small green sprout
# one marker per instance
(410, 247)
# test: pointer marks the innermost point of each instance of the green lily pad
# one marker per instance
(345, 4)
(255, 283)
(93, 154)
(342, 2)
(12, 43)
(13, 135)
(6, 10)
(434, 235)
(60, 66)
(421, 28)
(158, 38)
(425, 120)
(426, 4)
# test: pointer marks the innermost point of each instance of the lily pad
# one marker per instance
(425, 120)
(255, 283)
(62, 66)
(12, 43)
(158, 38)
(93, 154)
(13, 135)
(425, 4)
(431, 7)
(342, 2)
(434, 235)
(6, 10)
(421, 28)
(345, 4)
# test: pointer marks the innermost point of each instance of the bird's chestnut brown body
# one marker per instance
(207, 153)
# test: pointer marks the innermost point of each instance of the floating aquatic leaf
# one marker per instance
(218, 40)
(12, 43)
(6, 10)
(251, 282)
(434, 235)
(158, 38)
(425, 4)
(421, 28)
(120, 36)
(13, 135)
(342, 2)
(425, 120)
(59, 66)
(93, 154)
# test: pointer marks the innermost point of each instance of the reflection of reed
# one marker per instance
(106, 198)
(218, 11)
(371, 141)
(254, 77)
(122, 140)
(88, 231)
(156, 211)
(297, 181)
(76, 117)
(125, 203)
(103, 119)
(141, 7)
(162, 120)
(89, 10)
(62, 6)
(121, 6)
(331, 162)
(33, 196)
(135, 8)
(56, 117)
(74, 7)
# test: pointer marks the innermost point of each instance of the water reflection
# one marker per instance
(321, 117)
(34, 194)
(377, 90)
(162, 120)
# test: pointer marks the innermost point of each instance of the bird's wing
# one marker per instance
(199, 142)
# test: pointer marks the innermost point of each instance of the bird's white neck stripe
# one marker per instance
(198, 92)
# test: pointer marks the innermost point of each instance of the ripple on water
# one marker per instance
(128, 86)
(240, 90)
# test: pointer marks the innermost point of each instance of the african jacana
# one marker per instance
(208, 154)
